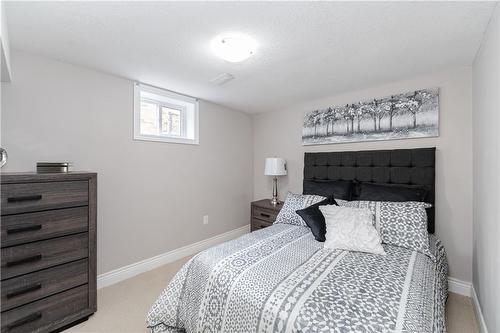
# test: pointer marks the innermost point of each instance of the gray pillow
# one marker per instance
(294, 202)
(402, 224)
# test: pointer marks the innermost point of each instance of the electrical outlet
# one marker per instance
(205, 219)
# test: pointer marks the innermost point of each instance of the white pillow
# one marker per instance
(351, 229)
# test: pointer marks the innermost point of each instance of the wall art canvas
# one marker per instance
(414, 114)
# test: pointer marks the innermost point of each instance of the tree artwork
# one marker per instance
(413, 114)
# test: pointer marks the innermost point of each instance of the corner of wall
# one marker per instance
(486, 102)
(4, 47)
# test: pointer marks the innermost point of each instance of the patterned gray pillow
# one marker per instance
(346, 203)
(399, 223)
(294, 202)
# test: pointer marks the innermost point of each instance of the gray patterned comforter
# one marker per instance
(280, 279)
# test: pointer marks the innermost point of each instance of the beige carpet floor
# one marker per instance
(122, 307)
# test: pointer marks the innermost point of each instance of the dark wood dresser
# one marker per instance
(263, 213)
(48, 250)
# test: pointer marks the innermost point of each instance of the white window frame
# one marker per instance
(183, 100)
(179, 108)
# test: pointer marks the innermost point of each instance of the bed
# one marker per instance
(280, 279)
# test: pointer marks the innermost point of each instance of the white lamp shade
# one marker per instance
(275, 166)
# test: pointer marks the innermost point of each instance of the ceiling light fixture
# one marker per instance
(233, 47)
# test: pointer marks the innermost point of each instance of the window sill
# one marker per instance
(167, 139)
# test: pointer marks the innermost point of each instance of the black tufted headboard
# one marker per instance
(401, 166)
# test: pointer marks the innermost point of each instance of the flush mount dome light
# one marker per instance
(233, 47)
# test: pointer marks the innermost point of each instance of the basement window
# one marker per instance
(165, 116)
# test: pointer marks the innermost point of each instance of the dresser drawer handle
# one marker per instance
(265, 215)
(25, 320)
(24, 260)
(25, 198)
(25, 290)
(24, 229)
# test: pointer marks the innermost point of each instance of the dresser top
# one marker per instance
(29, 177)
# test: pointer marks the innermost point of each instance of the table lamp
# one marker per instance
(275, 166)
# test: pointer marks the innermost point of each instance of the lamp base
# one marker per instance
(274, 201)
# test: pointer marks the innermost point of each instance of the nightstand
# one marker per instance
(263, 213)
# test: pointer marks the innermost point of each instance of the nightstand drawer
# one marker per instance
(47, 314)
(30, 227)
(260, 224)
(26, 258)
(31, 287)
(33, 197)
(264, 214)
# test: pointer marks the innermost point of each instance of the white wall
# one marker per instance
(486, 122)
(151, 196)
(279, 134)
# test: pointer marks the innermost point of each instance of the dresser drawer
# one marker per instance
(30, 287)
(30, 227)
(31, 197)
(264, 214)
(47, 314)
(26, 258)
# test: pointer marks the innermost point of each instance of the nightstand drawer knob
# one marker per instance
(265, 215)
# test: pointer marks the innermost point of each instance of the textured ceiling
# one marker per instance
(307, 50)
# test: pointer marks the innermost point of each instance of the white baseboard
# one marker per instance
(459, 287)
(126, 272)
(479, 313)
